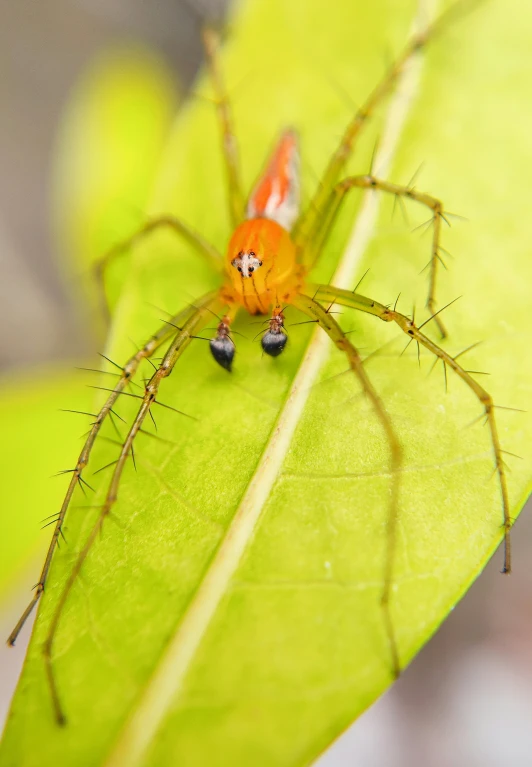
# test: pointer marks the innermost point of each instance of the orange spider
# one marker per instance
(267, 264)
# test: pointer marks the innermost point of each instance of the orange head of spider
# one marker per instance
(261, 264)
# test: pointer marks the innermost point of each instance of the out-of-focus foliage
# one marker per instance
(37, 441)
(108, 150)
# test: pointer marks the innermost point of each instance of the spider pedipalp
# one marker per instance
(274, 340)
(222, 346)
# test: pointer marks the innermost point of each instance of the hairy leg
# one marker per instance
(312, 248)
(356, 301)
(309, 220)
(126, 376)
(315, 311)
(173, 223)
(189, 326)
(225, 119)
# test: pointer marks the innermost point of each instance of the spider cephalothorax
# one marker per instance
(265, 272)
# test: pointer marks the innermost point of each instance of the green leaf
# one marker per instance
(203, 632)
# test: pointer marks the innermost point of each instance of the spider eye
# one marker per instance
(239, 268)
(252, 253)
(251, 269)
(260, 263)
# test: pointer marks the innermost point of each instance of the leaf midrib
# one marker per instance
(166, 679)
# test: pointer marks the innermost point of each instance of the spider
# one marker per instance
(266, 268)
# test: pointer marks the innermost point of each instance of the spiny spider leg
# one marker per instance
(225, 119)
(159, 222)
(128, 371)
(338, 194)
(356, 301)
(318, 313)
(193, 323)
(310, 219)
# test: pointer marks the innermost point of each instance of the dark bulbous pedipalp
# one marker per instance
(223, 351)
(273, 343)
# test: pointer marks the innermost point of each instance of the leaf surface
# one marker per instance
(201, 634)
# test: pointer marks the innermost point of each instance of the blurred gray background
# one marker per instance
(43, 49)
(466, 701)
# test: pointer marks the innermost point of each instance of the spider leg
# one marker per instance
(193, 322)
(173, 223)
(319, 314)
(211, 43)
(126, 375)
(309, 220)
(311, 249)
(356, 301)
